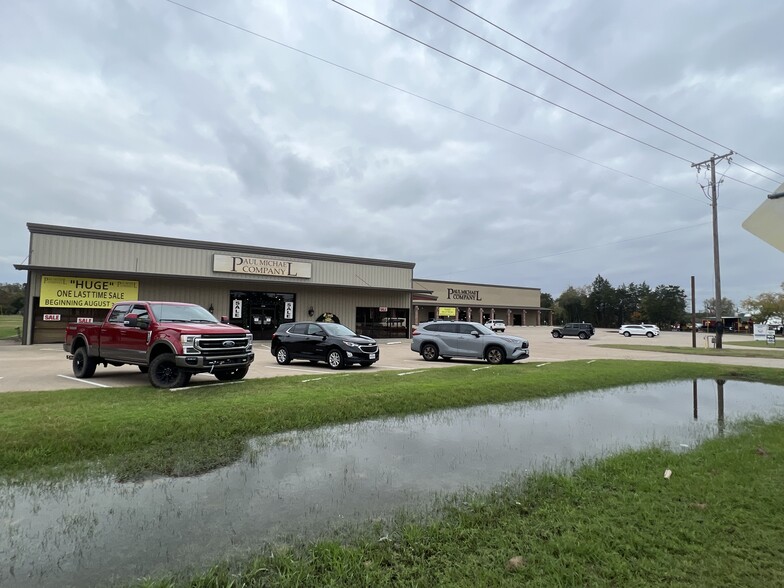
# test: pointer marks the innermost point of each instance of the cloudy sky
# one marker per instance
(303, 125)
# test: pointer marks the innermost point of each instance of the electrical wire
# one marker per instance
(606, 87)
(508, 83)
(425, 99)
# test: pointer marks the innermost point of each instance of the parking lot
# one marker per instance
(44, 367)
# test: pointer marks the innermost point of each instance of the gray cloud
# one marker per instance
(207, 132)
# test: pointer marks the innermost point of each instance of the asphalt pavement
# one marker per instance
(45, 367)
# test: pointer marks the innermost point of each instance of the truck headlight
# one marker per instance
(188, 343)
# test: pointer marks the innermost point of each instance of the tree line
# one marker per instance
(603, 305)
(11, 298)
(606, 306)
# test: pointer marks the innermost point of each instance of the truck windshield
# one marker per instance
(181, 313)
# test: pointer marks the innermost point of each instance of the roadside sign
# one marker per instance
(766, 222)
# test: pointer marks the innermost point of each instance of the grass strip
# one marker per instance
(779, 344)
(718, 521)
(724, 352)
(141, 431)
(9, 325)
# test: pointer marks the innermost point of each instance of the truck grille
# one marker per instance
(222, 344)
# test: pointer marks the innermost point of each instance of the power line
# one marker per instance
(552, 75)
(510, 84)
(606, 87)
(425, 99)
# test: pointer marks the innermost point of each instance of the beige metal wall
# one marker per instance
(63, 251)
(491, 295)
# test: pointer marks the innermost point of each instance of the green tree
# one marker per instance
(665, 305)
(546, 300)
(727, 307)
(11, 298)
(572, 305)
(766, 305)
(602, 302)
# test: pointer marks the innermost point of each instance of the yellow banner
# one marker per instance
(447, 311)
(85, 292)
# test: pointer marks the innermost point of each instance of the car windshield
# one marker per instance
(181, 313)
(337, 330)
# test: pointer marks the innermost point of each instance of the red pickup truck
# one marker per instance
(169, 340)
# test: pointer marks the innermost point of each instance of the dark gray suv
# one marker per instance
(581, 330)
(450, 339)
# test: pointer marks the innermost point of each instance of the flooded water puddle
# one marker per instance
(304, 483)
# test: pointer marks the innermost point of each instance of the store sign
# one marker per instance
(456, 294)
(447, 311)
(84, 319)
(51, 317)
(382, 309)
(63, 292)
(288, 310)
(260, 266)
(236, 308)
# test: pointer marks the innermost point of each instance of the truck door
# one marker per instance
(110, 340)
(133, 340)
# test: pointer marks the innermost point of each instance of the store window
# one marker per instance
(382, 323)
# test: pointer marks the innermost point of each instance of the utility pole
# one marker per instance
(714, 209)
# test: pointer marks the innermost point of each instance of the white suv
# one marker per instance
(647, 330)
(496, 325)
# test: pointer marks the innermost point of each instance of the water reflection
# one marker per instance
(305, 483)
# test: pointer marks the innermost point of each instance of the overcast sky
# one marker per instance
(142, 116)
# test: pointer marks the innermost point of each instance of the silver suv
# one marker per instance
(450, 339)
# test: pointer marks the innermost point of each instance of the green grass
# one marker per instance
(9, 323)
(779, 344)
(718, 521)
(724, 352)
(140, 432)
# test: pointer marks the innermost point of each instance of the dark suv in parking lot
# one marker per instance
(333, 343)
(581, 330)
(450, 339)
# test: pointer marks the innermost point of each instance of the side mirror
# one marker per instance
(475, 334)
(224, 319)
(135, 321)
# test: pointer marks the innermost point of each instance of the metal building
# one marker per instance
(516, 306)
(76, 274)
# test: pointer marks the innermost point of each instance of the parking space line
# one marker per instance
(83, 381)
(203, 386)
(409, 373)
(593, 360)
(294, 369)
(481, 368)
(542, 364)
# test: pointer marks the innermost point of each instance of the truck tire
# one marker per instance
(556, 334)
(234, 374)
(583, 335)
(164, 372)
(83, 365)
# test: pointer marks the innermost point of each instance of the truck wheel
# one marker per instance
(230, 375)
(556, 334)
(495, 355)
(583, 335)
(164, 372)
(336, 359)
(282, 355)
(83, 365)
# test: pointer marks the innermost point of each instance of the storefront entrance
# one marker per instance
(261, 312)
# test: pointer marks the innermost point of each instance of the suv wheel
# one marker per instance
(583, 335)
(336, 359)
(627, 334)
(495, 355)
(429, 352)
(282, 355)
(649, 334)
